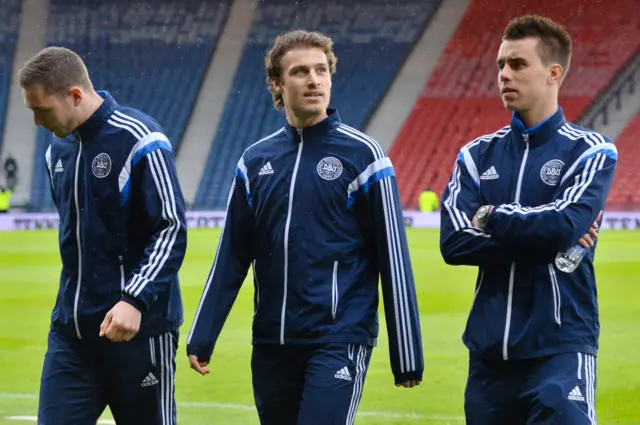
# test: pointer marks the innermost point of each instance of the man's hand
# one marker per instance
(197, 365)
(121, 323)
(586, 241)
(408, 384)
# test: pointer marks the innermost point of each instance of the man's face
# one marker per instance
(305, 81)
(54, 112)
(522, 77)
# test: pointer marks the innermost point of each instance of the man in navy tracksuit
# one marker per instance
(516, 199)
(314, 209)
(114, 327)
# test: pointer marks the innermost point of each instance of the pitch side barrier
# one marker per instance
(616, 220)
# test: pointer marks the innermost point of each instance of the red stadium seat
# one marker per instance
(460, 101)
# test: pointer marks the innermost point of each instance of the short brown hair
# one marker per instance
(57, 69)
(555, 43)
(289, 41)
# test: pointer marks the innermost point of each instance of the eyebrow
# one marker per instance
(510, 59)
(312, 66)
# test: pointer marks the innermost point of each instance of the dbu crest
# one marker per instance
(551, 171)
(101, 165)
(329, 168)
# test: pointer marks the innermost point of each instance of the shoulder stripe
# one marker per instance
(376, 149)
(488, 137)
(271, 136)
(133, 120)
(589, 137)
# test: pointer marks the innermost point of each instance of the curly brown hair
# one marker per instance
(289, 41)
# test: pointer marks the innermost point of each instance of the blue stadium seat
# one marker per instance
(372, 39)
(150, 55)
(9, 23)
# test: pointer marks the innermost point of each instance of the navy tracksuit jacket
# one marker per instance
(316, 212)
(548, 184)
(122, 236)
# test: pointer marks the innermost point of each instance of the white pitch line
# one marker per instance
(35, 419)
(232, 406)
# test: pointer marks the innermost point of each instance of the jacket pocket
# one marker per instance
(334, 290)
(557, 301)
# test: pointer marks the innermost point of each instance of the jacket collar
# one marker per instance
(540, 132)
(90, 127)
(318, 130)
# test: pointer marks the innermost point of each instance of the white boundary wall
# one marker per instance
(617, 220)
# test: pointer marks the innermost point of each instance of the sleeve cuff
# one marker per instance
(203, 354)
(134, 302)
(415, 375)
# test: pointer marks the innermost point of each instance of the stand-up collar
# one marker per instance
(90, 127)
(540, 132)
(319, 130)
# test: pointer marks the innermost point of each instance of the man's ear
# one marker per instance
(557, 73)
(277, 87)
(76, 95)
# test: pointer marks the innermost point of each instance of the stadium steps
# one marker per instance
(387, 120)
(624, 194)
(20, 131)
(612, 112)
(216, 87)
(460, 101)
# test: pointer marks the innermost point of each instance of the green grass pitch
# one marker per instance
(29, 268)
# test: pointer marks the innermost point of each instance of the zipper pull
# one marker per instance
(525, 137)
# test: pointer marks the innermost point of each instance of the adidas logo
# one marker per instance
(149, 380)
(59, 168)
(490, 174)
(576, 395)
(266, 169)
(343, 374)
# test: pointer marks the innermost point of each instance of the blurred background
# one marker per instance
(419, 76)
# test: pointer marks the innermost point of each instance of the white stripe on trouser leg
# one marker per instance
(169, 374)
(358, 384)
(591, 390)
(163, 408)
(579, 366)
(152, 349)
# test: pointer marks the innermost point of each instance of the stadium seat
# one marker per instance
(372, 39)
(624, 193)
(9, 23)
(460, 101)
(150, 58)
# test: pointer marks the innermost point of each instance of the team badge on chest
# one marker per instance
(329, 168)
(551, 171)
(101, 165)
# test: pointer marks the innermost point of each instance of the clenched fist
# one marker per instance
(121, 323)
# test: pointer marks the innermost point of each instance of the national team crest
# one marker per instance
(101, 165)
(329, 168)
(551, 171)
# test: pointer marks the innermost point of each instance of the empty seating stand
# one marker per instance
(150, 55)
(460, 101)
(372, 39)
(624, 194)
(9, 23)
